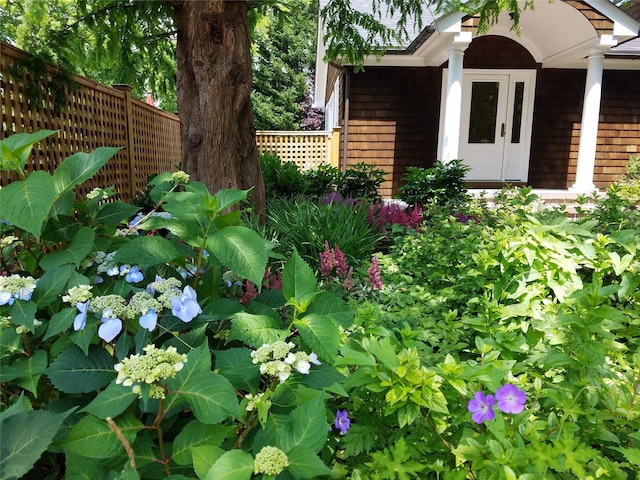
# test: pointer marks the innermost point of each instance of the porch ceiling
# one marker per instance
(555, 33)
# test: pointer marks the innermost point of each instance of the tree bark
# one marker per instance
(213, 82)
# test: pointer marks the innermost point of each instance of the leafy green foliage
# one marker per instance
(75, 335)
(472, 300)
(441, 184)
(305, 225)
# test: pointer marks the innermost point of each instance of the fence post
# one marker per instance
(334, 154)
(131, 154)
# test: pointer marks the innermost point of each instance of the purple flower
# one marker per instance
(481, 407)
(342, 421)
(511, 399)
(111, 325)
(81, 319)
(186, 306)
(149, 320)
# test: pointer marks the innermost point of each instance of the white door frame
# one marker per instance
(515, 156)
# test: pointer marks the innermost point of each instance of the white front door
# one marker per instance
(495, 126)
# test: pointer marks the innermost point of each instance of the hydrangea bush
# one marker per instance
(126, 351)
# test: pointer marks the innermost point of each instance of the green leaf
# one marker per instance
(60, 321)
(74, 372)
(304, 463)
(79, 247)
(211, 397)
(114, 213)
(25, 436)
(309, 427)
(298, 280)
(21, 144)
(204, 457)
(26, 203)
(10, 341)
(321, 334)
(111, 402)
(331, 306)
(94, 438)
(51, 285)
(232, 465)
(229, 197)
(29, 370)
(146, 252)
(83, 468)
(23, 313)
(241, 250)
(79, 167)
(235, 365)
(256, 330)
(197, 434)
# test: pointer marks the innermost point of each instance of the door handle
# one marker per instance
(503, 130)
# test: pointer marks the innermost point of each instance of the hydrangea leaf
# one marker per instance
(74, 372)
(80, 167)
(197, 434)
(111, 402)
(94, 438)
(304, 463)
(321, 334)
(146, 252)
(26, 203)
(298, 280)
(23, 313)
(309, 426)
(25, 436)
(50, 285)
(232, 465)
(255, 330)
(30, 369)
(241, 250)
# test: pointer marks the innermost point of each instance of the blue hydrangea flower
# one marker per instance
(511, 399)
(186, 306)
(342, 421)
(134, 275)
(81, 318)
(6, 298)
(481, 407)
(149, 320)
(111, 325)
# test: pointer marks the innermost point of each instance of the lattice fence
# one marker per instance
(306, 149)
(96, 116)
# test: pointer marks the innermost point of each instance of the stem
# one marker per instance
(125, 443)
(158, 428)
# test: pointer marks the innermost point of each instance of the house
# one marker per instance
(555, 106)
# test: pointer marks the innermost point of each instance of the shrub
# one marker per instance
(361, 181)
(125, 351)
(442, 184)
(281, 179)
(322, 180)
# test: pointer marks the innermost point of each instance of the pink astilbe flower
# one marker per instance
(272, 281)
(342, 267)
(327, 261)
(374, 278)
(249, 293)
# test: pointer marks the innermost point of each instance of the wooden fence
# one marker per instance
(101, 116)
(95, 116)
(306, 149)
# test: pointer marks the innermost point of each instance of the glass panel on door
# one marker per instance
(484, 112)
(516, 124)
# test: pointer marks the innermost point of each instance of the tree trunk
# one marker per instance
(213, 84)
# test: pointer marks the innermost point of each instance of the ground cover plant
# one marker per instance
(177, 341)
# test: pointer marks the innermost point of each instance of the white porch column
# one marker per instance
(589, 128)
(453, 97)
